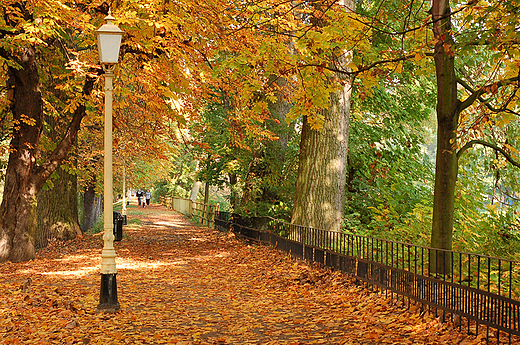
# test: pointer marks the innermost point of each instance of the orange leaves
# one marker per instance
(179, 284)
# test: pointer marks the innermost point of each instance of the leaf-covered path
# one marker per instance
(182, 284)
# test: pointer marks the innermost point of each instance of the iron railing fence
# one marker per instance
(482, 290)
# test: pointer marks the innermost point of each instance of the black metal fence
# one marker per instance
(481, 292)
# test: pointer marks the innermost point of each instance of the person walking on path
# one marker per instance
(139, 195)
(148, 197)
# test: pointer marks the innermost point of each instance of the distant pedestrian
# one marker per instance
(148, 197)
(139, 195)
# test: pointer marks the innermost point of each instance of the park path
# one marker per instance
(183, 284)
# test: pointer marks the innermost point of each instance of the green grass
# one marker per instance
(98, 227)
(133, 221)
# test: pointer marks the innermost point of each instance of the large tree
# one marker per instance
(320, 188)
(470, 98)
(23, 49)
(448, 110)
(24, 177)
(32, 34)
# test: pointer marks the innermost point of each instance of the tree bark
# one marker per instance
(18, 208)
(195, 189)
(92, 206)
(58, 210)
(448, 110)
(320, 186)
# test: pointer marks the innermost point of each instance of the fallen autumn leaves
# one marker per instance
(181, 284)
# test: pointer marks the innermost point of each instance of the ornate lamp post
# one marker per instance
(109, 41)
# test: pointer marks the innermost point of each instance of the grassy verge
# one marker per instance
(131, 221)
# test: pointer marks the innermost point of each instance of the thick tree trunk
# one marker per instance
(18, 208)
(58, 210)
(320, 187)
(24, 179)
(448, 110)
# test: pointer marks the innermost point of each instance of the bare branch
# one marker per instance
(472, 143)
(361, 68)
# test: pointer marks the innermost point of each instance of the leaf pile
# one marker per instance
(182, 284)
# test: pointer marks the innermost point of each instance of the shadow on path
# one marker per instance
(183, 284)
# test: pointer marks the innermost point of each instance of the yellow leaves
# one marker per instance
(27, 120)
(128, 17)
(511, 68)
(493, 208)
(503, 119)
(369, 80)
(198, 287)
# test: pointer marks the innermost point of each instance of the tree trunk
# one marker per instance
(93, 206)
(267, 162)
(195, 189)
(18, 208)
(279, 110)
(58, 210)
(448, 110)
(320, 187)
(24, 179)
(206, 205)
(252, 191)
(234, 198)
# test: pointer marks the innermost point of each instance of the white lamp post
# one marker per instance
(109, 41)
(123, 211)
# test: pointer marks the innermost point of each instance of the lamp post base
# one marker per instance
(108, 296)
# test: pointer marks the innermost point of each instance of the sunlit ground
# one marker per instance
(181, 284)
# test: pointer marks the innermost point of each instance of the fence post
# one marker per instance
(216, 208)
(207, 209)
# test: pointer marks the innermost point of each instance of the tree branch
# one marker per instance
(477, 94)
(361, 68)
(60, 152)
(471, 143)
(412, 29)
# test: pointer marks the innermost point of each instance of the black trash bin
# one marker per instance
(124, 220)
(118, 226)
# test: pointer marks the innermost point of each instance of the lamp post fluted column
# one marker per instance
(108, 296)
(109, 41)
